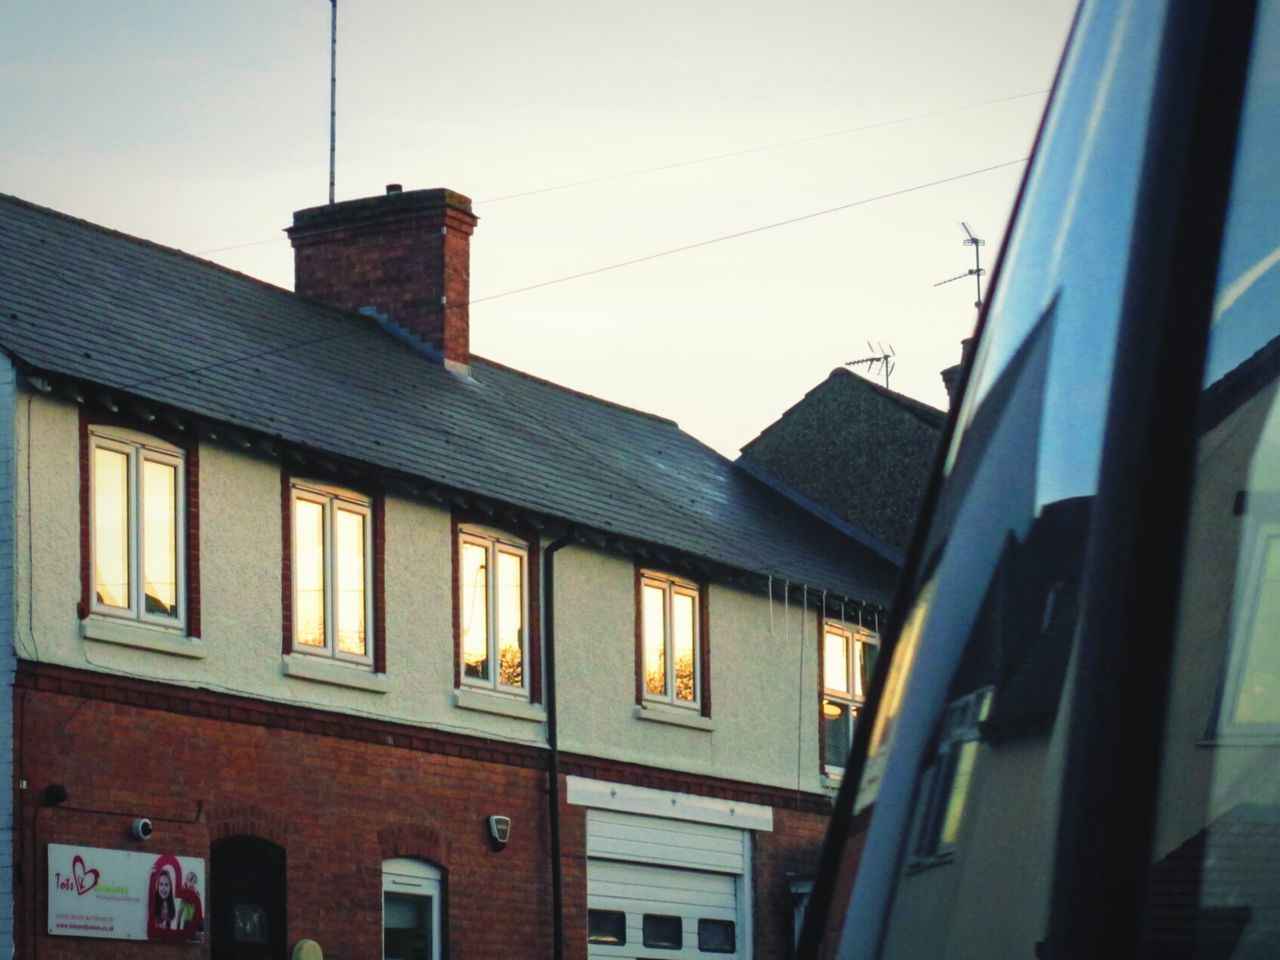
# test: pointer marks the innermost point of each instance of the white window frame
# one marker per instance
(139, 448)
(670, 586)
(495, 542)
(328, 498)
(854, 696)
(959, 730)
(1244, 613)
(414, 878)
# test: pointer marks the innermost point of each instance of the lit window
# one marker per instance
(493, 603)
(410, 910)
(848, 657)
(669, 640)
(332, 571)
(136, 518)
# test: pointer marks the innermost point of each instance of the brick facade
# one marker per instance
(340, 795)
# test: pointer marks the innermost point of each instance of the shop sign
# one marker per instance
(124, 895)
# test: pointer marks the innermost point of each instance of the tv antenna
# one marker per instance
(881, 360)
(976, 272)
(333, 90)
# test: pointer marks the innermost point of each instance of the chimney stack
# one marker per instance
(404, 255)
(951, 375)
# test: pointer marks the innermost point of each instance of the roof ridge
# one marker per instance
(919, 407)
(577, 393)
(143, 242)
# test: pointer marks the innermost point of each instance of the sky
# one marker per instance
(203, 126)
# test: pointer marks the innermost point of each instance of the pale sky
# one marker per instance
(203, 126)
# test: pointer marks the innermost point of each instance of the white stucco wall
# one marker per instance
(763, 655)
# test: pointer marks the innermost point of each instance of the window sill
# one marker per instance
(304, 667)
(676, 716)
(831, 780)
(141, 636)
(928, 863)
(505, 705)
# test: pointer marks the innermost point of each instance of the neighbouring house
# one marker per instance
(323, 628)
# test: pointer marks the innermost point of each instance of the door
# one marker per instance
(247, 900)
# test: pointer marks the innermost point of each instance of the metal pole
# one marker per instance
(333, 90)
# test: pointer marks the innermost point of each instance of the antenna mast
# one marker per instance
(333, 90)
(977, 271)
(882, 358)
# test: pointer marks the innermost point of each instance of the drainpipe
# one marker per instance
(553, 794)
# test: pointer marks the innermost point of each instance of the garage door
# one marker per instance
(659, 888)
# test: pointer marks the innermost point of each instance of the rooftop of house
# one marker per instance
(110, 311)
(856, 452)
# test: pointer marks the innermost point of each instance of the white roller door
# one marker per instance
(662, 888)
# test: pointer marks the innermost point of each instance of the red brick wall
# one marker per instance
(340, 795)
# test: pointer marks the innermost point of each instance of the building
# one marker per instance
(324, 628)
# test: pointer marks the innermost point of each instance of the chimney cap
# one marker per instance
(346, 213)
(394, 188)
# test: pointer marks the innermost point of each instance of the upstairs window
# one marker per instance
(848, 657)
(493, 611)
(331, 573)
(137, 531)
(670, 641)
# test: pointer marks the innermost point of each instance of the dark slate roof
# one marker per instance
(82, 301)
(855, 451)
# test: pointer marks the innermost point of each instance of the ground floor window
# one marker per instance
(410, 910)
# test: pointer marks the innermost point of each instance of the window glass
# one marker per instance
(308, 569)
(351, 536)
(406, 927)
(111, 527)
(475, 610)
(663, 932)
(160, 537)
(655, 645)
(1211, 888)
(835, 662)
(607, 926)
(837, 731)
(510, 590)
(992, 606)
(716, 936)
(684, 627)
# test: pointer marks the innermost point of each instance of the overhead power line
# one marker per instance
(760, 149)
(694, 161)
(298, 345)
(748, 232)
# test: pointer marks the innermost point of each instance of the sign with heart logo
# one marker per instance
(125, 895)
(85, 879)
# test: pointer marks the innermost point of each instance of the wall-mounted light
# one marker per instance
(499, 831)
(56, 793)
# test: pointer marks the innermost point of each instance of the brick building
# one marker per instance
(323, 628)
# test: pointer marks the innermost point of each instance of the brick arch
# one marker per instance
(418, 842)
(244, 820)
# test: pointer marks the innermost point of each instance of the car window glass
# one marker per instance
(965, 750)
(1212, 890)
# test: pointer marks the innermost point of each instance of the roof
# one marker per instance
(857, 451)
(85, 302)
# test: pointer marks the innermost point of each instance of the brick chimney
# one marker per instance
(403, 256)
(951, 375)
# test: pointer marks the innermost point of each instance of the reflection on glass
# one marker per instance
(607, 926)
(684, 628)
(959, 791)
(835, 662)
(837, 731)
(350, 536)
(111, 527)
(160, 537)
(653, 614)
(510, 602)
(475, 611)
(866, 656)
(308, 567)
(406, 927)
